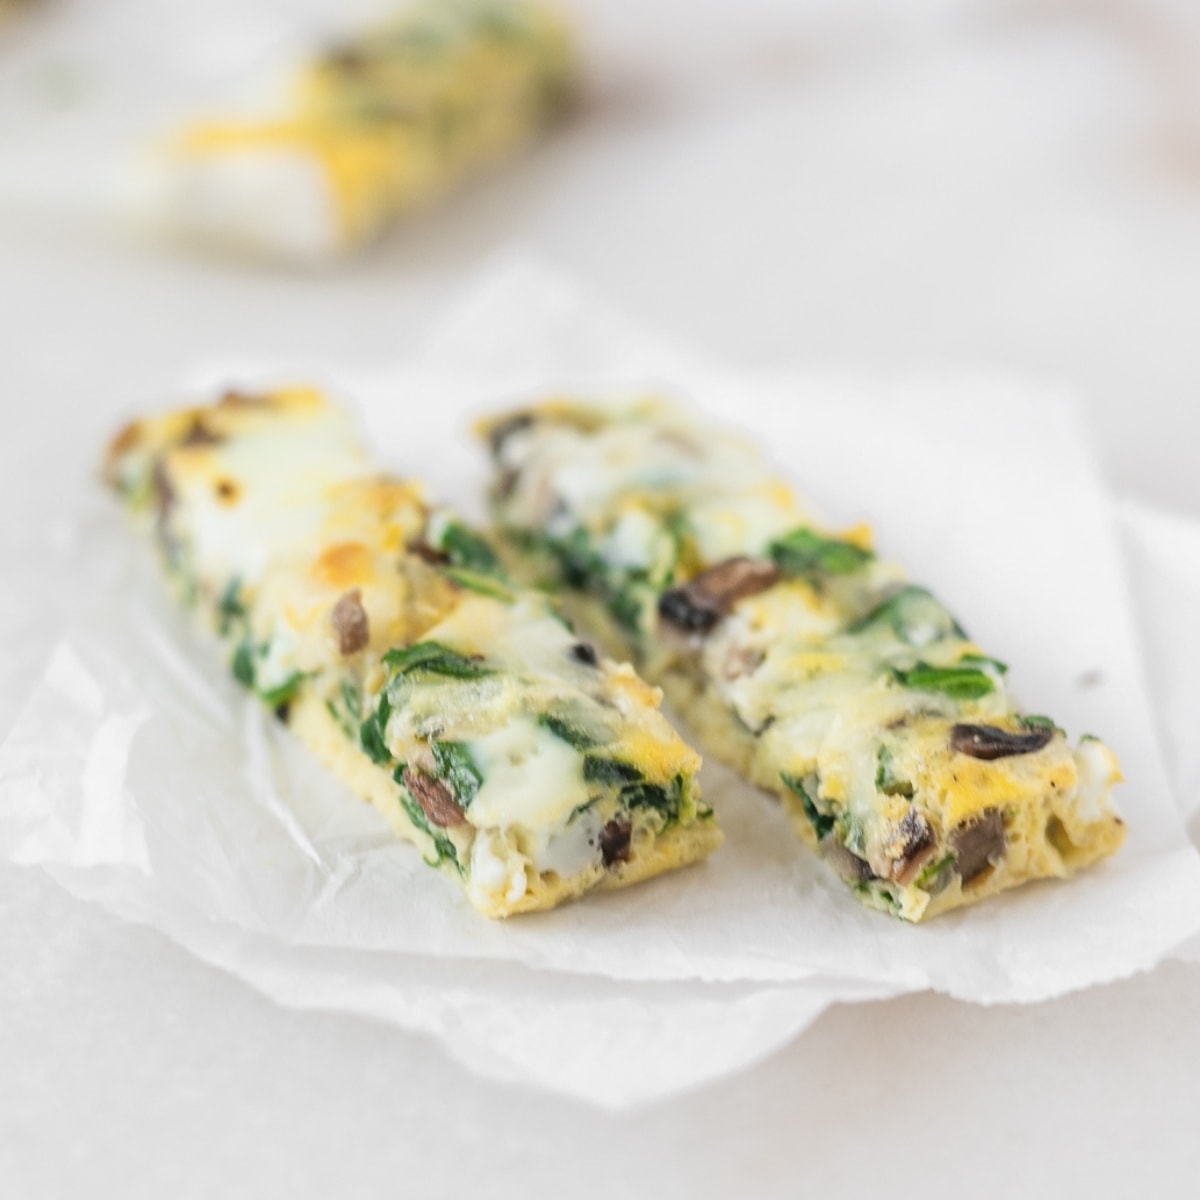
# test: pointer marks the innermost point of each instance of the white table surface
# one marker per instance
(1016, 190)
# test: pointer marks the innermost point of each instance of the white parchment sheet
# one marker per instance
(138, 775)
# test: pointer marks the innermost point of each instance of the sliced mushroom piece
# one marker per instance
(910, 847)
(199, 434)
(585, 653)
(988, 742)
(347, 58)
(742, 660)
(350, 623)
(164, 493)
(435, 798)
(845, 862)
(703, 601)
(164, 502)
(236, 399)
(978, 844)
(615, 839)
(503, 430)
(427, 554)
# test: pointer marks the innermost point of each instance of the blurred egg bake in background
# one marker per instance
(378, 125)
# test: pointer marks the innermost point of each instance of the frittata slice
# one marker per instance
(381, 631)
(376, 126)
(798, 656)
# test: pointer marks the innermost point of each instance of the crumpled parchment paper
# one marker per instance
(139, 776)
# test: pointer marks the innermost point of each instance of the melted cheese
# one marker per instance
(530, 778)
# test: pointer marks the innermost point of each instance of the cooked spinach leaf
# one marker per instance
(567, 731)
(1038, 721)
(886, 779)
(581, 566)
(957, 682)
(285, 692)
(467, 550)
(982, 660)
(597, 769)
(627, 604)
(230, 607)
(914, 616)
(443, 847)
(456, 765)
(243, 664)
(822, 823)
(483, 584)
(372, 733)
(808, 555)
(435, 659)
(931, 872)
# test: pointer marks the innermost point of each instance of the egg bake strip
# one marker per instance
(523, 765)
(380, 124)
(799, 657)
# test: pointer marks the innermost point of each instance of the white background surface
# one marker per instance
(826, 184)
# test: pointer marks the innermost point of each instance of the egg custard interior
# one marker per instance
(382, 631)
(799, 657)
(379, 124)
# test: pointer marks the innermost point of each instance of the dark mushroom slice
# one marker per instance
(910, 847)
(199, 434)
(585, 653)
(614, 841)
(435, 798)
(236, 399)
(347, 58)
(503, 430)
(978, 844)
(350, 623)
(845, 862)
(427, 554)
(164, 502)
(988, 742)
(703, 601)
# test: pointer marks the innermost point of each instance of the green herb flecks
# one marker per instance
(456, 765)
(822, 823)
(433, 658)
(806, 555)
(879, 895)
(930, 874)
